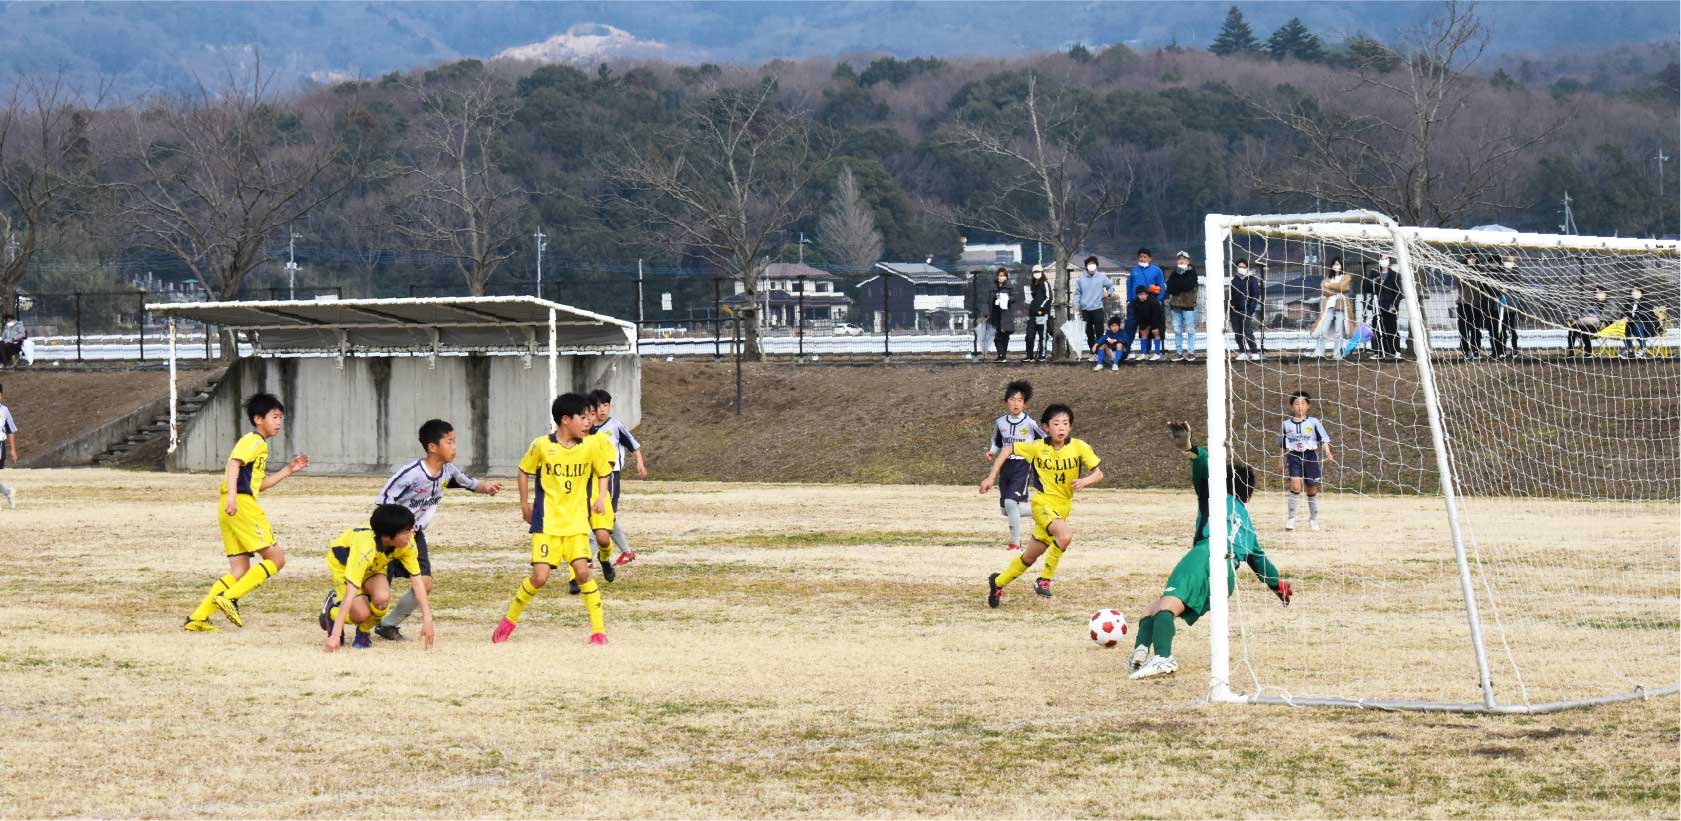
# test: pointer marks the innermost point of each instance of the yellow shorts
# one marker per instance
(1045, 511)
(247, 531)
(601, 521)
(559, 551)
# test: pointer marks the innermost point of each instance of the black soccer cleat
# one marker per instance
(1043, 588)
(573, 589)
(326, 619)
(994, 593)
(389, 633)
(608, 571)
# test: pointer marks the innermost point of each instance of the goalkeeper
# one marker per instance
(1186, 593)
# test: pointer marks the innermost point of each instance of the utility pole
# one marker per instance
(803, 241)
(541, 244)
(1569, 224)
(1661, 160)
(292, 263)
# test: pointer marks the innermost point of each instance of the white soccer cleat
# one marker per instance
(1157, 666)
(1140, 654)
(1313, 524)
(12, 498)
(1290, 523)
(1115, 367)
(1097, 367)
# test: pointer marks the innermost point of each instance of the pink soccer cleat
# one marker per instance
(503, 631)
(598, 639)
(625, 558)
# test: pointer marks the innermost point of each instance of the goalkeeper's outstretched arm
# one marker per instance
(1268, 573)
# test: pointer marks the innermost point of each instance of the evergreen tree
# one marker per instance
(1294, 40)
(1235, 36)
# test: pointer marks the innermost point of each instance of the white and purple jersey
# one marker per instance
(622, 441)
(1305, 435)
(421, 492)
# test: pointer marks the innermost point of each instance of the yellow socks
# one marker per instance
(1016, 568)
(1052, 557)
(208, 605)
(592, 603)
(253, 579)
(522, 597)
(604, 552)
(374, 615)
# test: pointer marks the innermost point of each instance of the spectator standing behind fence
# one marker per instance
(1089, 292)
(1143, 275)
(1642, 323)
(1335, 319)
(1002, 319)
(1508, 309)
(1039, 318)
(1243, 309)
(1182, 306)
(1387, 336)
(1466, 317)
(12, 336)
(1151, 316)
(1486, 294)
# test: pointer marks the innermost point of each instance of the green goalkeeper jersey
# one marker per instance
(1199, 481)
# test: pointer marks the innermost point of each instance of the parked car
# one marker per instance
(848, 330)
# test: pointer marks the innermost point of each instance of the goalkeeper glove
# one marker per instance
(1283, 591)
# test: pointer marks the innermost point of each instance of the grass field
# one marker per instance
(779, 650)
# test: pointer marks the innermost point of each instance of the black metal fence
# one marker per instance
(99, 325)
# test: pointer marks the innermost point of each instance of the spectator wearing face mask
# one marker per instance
(1336, 321)
(1387, 333)
(1089, 292)
(1149, 277)
(1000, 316)
(1039, 318)
(1588, 323)
(1182, 308)
(1642, 323)
(1243, 310)
(1508, 324)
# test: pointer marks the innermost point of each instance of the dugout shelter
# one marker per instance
(359, 376)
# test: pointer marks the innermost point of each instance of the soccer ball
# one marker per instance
(1108, 627)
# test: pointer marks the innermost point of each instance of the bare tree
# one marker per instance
(455, 199)
(848, 232)
(214, 176)
(727, 179)
(46, 165)
(1410, 142)
(1056, 182)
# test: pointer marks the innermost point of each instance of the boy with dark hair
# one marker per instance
(359, 560)
(1057, 461)
(1186, 592)
(8, 445)
(419, 487)
(567, 464)
(1111, 348)
(1147, 313)
(1301, 439)
(1146, 275)
(244, 525)
(620, 439)
(1015, 482)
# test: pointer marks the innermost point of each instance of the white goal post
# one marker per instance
(1572, 461)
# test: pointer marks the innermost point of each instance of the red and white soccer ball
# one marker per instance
(1108, 628)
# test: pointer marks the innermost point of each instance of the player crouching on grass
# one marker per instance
(358, 560)
(1056, 462)
(566, 463)
(245, 527)
(1186, 593)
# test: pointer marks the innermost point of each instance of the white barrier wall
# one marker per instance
(365, 416)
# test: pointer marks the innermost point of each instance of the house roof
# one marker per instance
(919, 273)
(489, 323)
(795, 270)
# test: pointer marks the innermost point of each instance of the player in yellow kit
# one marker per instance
(358, 561)
(245, 528)
(568, 464)
(1057, 461)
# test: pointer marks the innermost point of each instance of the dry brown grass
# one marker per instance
(779, 651)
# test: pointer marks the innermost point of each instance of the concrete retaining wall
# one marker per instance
(80, 452)
(363, 418)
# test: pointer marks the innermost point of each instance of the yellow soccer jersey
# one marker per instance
(563, 476)
(1057, 468)
(252, 452)
(356, 554)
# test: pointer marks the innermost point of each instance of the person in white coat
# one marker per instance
(1336, 320)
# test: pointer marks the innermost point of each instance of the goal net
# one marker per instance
(1497, 512)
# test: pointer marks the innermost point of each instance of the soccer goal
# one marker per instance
(1498, 528)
